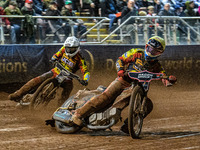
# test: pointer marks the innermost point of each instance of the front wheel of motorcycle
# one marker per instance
(62, 127)
(44, 94)
(135, 116)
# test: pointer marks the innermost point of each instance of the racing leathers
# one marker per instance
(122, 82)
(70, 63)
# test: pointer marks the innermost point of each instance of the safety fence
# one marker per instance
(49, 29)
(175, 30)
(134, 30)
(19, 63)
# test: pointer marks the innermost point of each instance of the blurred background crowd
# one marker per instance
(31, 30)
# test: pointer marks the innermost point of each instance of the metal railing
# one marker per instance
(68, 18)
(175, 30)
(168, 29)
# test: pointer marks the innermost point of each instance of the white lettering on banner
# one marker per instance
(185, 63)
(110, 64)
(12, 66)
(92, 60)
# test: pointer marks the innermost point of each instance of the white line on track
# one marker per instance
(14, 129)
(27, 140)
(180, 126)
(171, 118)
(176, 126)
(181, 136)
(193, 147)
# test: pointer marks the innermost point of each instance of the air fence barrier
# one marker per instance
(20, 63)
(175, 30)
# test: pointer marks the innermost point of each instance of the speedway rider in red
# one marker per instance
(153, 49)
(70, 58)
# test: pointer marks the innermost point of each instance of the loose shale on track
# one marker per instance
(173, 124)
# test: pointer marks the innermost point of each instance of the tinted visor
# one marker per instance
(155, 44)
(153, 51)
(71, 50)
(154, 47)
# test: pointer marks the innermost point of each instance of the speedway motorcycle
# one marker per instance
(46, 91)
(62, 117)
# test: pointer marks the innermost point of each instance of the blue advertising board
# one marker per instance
(20, 63)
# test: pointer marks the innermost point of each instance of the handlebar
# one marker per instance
(66, 72)
(146, 76)
(165, 77)
(139, 68)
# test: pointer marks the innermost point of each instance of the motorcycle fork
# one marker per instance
(49, 89)
(52, 92)
(142, 110)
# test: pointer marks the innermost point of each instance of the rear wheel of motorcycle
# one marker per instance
(135, 117)
(44, 94)
(62, 127)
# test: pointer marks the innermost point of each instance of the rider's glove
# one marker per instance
(172, 79)
(84, 82)
(52, 61)
(120, 73)
(50, 122)
(123, 74)
(166, 82)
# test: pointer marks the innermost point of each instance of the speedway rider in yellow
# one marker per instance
(70, 58)
(154, 48)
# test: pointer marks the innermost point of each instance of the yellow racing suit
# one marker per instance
(70, 63)
(151, 65)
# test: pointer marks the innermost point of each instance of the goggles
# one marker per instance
(153, 51)
(71, 50)
(154, 47)
(155, 44)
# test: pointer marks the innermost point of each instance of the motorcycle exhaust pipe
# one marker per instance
(112, 122)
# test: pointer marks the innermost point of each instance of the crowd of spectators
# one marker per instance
(116, 10)
(157, 8)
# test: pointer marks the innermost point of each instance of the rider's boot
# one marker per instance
(148, 107)
(20, 106)
(16, 96)
(124, 127)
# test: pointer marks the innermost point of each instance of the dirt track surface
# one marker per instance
(173, 124)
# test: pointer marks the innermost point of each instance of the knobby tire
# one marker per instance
(35, 99)
(135, 118)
